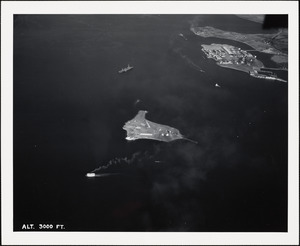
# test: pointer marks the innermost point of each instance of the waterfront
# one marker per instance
(228, 56)
(259, 42)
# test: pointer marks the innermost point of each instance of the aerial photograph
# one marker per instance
(150, 123)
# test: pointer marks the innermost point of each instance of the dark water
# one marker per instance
(70, 105)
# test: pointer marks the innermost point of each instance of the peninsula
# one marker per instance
(141, 128)
(235, 58)
(274, 44)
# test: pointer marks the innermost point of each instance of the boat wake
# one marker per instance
(113, 162)
(189, 61)
(118, 166)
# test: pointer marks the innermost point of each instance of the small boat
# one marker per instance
(90, 175)
(126, 69)
(181, 35)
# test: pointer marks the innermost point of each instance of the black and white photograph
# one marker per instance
(151, 122)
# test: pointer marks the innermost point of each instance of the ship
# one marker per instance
(125, 69)
(141, 128)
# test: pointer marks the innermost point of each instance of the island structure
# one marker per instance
(229, 56)
(141, 128)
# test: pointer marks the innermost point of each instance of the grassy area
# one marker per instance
(280, 59)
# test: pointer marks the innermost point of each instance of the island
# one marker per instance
(229, 56)
(274, 44)
(141, 128)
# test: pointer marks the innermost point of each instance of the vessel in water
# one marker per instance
(126, 69)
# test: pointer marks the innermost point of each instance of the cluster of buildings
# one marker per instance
(238, 59)
(225, 54)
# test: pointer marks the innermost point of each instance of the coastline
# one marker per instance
(245, 71)
(234, 67)
(232, 57)
(259, 42)
(254, 18)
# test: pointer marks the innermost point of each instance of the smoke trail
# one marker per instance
(138, 157)
(195, 23)
(118, 160)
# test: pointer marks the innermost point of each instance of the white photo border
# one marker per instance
(8, 9)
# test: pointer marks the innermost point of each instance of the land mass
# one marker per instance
(141, 128)
(274, 44)
(255, 18)
(229, 56)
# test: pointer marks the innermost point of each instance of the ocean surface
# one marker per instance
(70, 104)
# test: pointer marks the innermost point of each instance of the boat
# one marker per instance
(126, 69)
(181, 35)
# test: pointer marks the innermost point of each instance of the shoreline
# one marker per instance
(259, 42)
(255, 76)
(231, 67)
(228, 56)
